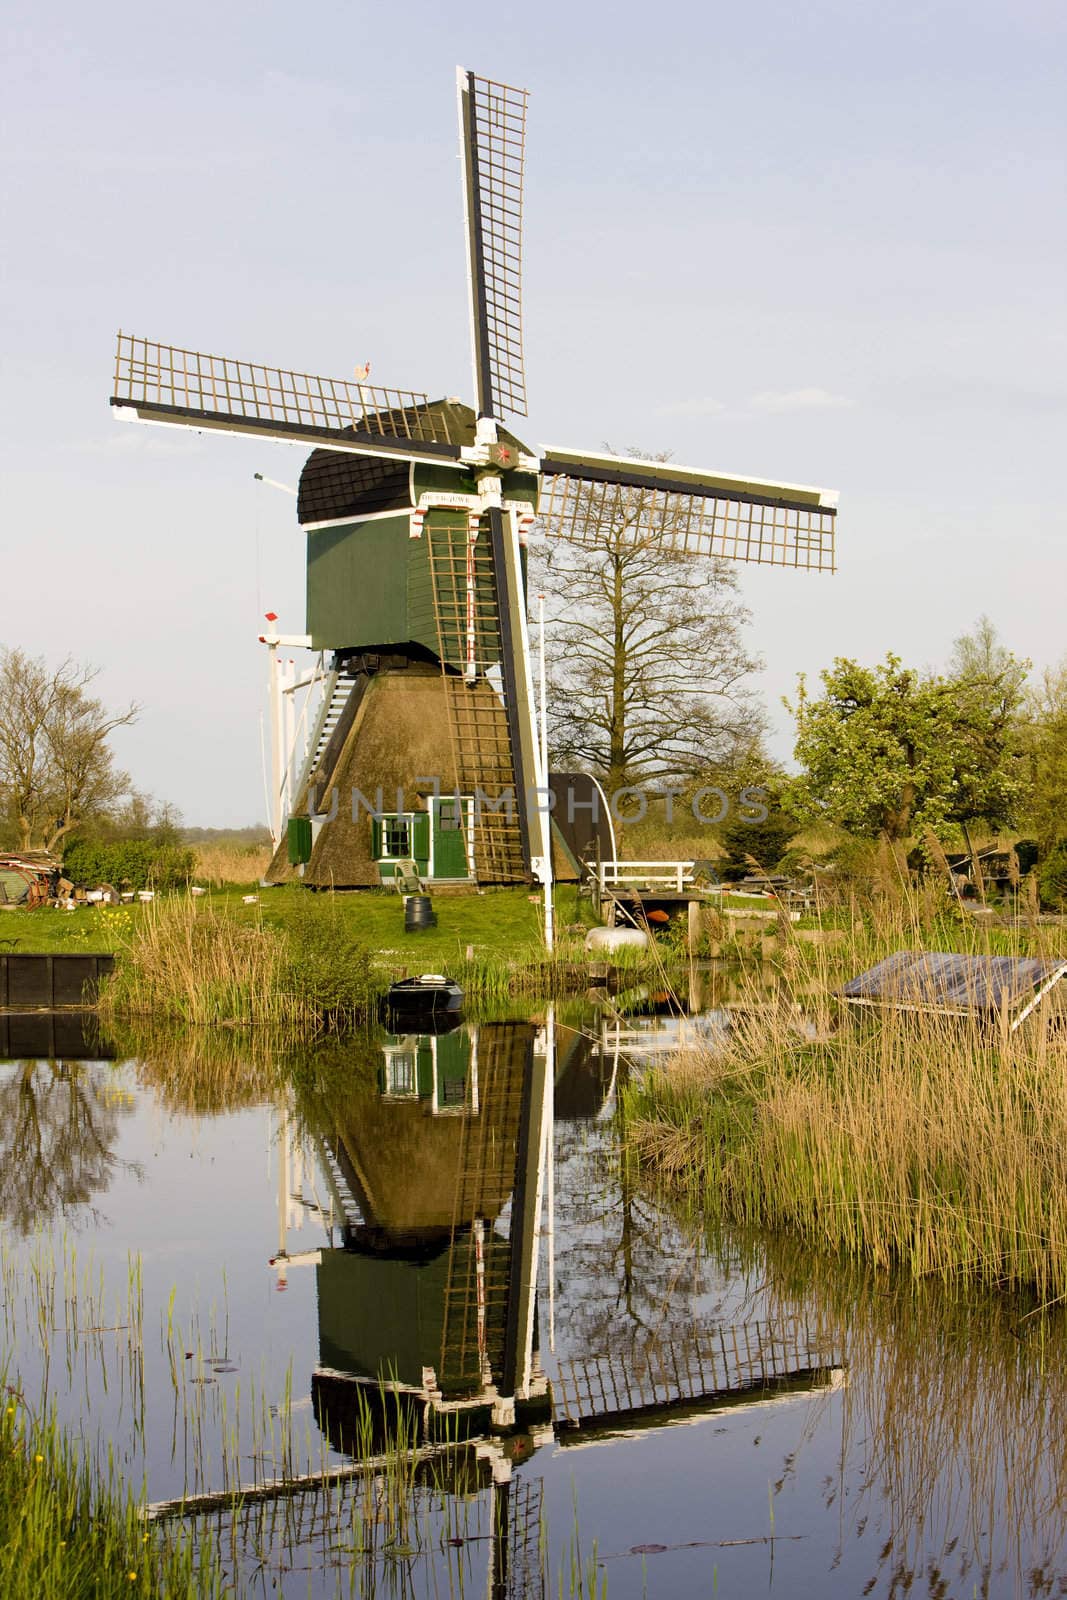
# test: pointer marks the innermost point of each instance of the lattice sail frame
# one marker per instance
(166, 378)
(734, 526)
(494, 139)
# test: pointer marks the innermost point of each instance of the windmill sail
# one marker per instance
(162, 383)
(493, 135)
(689, 510)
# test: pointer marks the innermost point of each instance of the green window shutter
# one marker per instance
(376, 838)
(420, 839)
(298, 840)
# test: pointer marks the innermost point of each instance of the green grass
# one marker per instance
(747, 902)
(498, 921)
(303, 962)
(66, 1535)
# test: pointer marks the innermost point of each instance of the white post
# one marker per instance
(289, 720)
(277, 736)
(550, 919)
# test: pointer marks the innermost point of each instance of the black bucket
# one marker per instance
(418, 913)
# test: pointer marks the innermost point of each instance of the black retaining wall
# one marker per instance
(50, 983)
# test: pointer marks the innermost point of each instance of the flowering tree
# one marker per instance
(890, 751)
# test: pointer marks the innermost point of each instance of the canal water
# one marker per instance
(406, 1294)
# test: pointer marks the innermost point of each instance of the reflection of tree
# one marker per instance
(624, 1269)
(951, 1461)
(58, 1128)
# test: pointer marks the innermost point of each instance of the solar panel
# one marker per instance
(958, 985)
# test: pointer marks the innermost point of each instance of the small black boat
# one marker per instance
(426, 995)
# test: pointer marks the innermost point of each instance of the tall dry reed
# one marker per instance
(891, 1138)
(221, 864)
(188, 963)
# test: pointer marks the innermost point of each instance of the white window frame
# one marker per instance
(409, 818)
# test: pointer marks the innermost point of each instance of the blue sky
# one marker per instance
(823, 242)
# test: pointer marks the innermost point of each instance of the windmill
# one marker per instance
(416, 512)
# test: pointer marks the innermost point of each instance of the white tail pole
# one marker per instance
(277, 738)
(550, 920)
(286, 488)
(289, 717)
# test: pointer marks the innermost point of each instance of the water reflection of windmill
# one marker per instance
(428, 1308)
(440, 1171)
(427, 1292)
(428, 1336)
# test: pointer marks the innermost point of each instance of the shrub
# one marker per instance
(764, 842)
(1052, 877)
(328, 967)
(134, 863)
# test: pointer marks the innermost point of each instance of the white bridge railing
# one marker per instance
(676, 875)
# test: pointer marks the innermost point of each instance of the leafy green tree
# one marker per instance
(1052, 877)
(153, 863)
(887, 750)
(1046, 748)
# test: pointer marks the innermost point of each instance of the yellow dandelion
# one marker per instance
(38, 1458)
(132, 1576)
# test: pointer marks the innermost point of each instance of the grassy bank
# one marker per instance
(188, 962)
(300, 963)
(498, 921)
(887, 1138)
(64, 1535)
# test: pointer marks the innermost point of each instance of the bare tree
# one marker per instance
(59, 1124)
(56, 768)
(648, 667)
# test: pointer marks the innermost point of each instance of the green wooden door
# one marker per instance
(449, 844)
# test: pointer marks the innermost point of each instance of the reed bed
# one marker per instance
(568, 969)
(220, 864)
(66, 1534)
(190, 963)
(891, 1138)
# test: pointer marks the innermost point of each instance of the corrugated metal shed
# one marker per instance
(985, 987)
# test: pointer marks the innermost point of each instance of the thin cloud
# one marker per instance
(779, 400)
